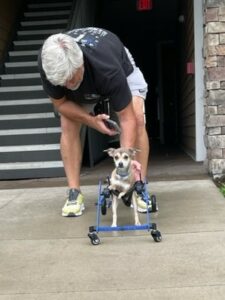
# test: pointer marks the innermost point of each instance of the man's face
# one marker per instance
(74, 83)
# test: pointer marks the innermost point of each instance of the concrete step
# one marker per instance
(29, 139)
(29, 120)
(46, 15)
(30, 165)
(21, 67)
(44, 23)
(45, 115)
(27, 108)
(31, 170)
(47, 6)
(28, 45)
(23, 53)
(30, 131)
(22, 92)
(24, 102)
(34, 121)
(20, 79)
(20, 56)
(38, 34)
(29, 156)
(43, 1)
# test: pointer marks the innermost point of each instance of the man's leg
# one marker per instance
(71, 151)
(71, 156)
(142, 141)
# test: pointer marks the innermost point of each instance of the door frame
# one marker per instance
(200, 151)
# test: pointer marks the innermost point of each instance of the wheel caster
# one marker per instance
(156, 234)
(154, 203)
(94, 238)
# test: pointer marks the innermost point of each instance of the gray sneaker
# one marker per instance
(142, 205)
(74, 205)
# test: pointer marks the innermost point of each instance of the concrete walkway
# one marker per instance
(45, 256)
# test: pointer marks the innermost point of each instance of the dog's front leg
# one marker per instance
(134, 201)
(114, 211)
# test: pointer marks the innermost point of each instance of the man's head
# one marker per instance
(62, 61)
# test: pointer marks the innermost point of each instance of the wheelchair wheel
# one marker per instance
(104, 207)
(154, 203)
(157, 237)
(94, 238)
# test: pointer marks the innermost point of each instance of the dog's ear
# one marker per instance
(133, 151)
(110, 151)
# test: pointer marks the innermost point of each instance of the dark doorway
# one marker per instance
(142, 32)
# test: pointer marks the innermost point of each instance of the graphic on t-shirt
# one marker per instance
(88, 37)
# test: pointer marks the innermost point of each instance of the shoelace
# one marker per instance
(72, 202)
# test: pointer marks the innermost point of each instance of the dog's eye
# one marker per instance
(116, 157)
(125, 157)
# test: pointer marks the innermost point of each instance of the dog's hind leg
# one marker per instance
(134, 201)
(121, 195)
(114, 211)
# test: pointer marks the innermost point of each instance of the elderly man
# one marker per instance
(92, 61)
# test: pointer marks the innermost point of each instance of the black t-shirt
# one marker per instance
(106, 69)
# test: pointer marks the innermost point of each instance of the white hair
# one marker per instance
(61, 57)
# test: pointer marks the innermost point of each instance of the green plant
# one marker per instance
(220, 183)
(222, 189)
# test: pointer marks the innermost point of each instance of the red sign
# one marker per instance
(144, 5)
(190, 68)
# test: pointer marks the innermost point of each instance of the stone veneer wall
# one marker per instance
(214, 55)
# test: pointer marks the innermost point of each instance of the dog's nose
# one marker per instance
(120, 164)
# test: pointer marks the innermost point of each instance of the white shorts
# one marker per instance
(136, 81)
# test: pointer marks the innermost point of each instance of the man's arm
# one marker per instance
(128, 126)
(76, 113)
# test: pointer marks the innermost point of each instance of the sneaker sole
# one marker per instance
(71, 214)
(144, 210)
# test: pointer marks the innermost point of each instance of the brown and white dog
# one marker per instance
(122, 179)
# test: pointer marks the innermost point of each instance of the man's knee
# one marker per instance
(69, 127)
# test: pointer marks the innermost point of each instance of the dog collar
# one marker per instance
(122, 173)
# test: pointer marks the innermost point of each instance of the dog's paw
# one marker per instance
(137, 223)
(113, 225)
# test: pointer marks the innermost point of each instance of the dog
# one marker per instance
(122, 179)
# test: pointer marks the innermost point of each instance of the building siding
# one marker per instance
(187, 83)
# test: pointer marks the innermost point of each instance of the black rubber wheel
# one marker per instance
(154, 204)
(156, 234)
(103, 207)
(94, 238)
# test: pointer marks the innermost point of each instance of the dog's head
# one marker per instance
(122, 156)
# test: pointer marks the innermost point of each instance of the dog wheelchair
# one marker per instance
(105, 201)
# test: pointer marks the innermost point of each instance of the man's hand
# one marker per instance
(136, 169)
(101, 126)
